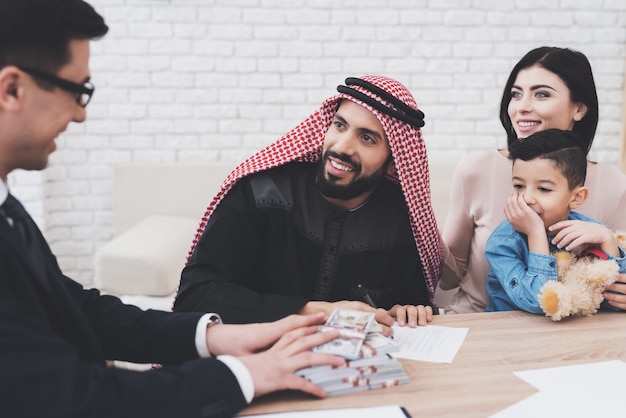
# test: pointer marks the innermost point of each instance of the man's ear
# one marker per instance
(10, 87)
(579, 195)
(391, 169)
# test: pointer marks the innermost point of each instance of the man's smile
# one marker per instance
(338, 165)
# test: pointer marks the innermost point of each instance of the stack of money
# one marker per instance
(369, 365)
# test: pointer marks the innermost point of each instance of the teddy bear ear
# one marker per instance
(562, 256)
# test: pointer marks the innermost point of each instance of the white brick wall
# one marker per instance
(219, 79)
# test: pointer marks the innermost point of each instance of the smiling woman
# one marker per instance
(541, 100)
(548, 88)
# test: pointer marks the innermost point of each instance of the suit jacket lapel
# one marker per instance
(36, 267)
(61, 309)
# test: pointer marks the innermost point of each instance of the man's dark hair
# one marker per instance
(574, 69)
(566, 149)
(36, 33)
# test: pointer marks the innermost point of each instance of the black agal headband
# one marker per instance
(404, 113)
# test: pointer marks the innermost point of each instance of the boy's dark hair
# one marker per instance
(566, 149)
(574, 69)
(36, 33)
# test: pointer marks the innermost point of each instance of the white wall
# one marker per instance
(219, 79)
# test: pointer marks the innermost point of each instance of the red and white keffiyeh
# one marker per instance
(304, 143)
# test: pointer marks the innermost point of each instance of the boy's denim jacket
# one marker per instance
(517, 275)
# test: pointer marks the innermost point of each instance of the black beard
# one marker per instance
(357, 187)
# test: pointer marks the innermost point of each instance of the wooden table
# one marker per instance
(480, 380)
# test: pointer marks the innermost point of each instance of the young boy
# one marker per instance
(549, 169)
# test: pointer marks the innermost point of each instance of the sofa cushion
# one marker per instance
(147, 259)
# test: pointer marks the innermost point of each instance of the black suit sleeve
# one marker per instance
(128, 333)
(48, 368)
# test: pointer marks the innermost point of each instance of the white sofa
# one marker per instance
(156, 211)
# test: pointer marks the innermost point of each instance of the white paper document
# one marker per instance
(431, 343)
(391, 411)
(593, 389)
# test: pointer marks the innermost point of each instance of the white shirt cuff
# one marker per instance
(201, 346)
(242, 374)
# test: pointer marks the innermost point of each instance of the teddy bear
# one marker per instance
(582, 277)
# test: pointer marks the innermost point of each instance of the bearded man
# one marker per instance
(335, 213)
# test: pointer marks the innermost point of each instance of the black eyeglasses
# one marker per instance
(84, 91)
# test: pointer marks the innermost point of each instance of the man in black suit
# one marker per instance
(55, 336)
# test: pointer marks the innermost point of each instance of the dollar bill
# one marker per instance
(347, 318)
(353, 327)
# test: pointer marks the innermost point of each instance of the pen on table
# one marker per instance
(366, 296)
